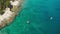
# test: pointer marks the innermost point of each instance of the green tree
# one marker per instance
(3, 5)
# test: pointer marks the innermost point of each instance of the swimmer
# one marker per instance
(51, 18)
(28, 22)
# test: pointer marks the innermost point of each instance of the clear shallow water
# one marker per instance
(38, 13)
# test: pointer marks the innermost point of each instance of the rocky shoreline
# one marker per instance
(6, 22)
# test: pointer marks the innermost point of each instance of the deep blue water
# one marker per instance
(38, 13)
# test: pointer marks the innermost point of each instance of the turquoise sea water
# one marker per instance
(38, 13)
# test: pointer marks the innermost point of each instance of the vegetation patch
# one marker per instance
(3, 5)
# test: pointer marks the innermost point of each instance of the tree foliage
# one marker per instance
(3, 5)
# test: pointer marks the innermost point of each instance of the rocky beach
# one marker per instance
(10, 14)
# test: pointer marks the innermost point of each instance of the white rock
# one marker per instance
(15, 3)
